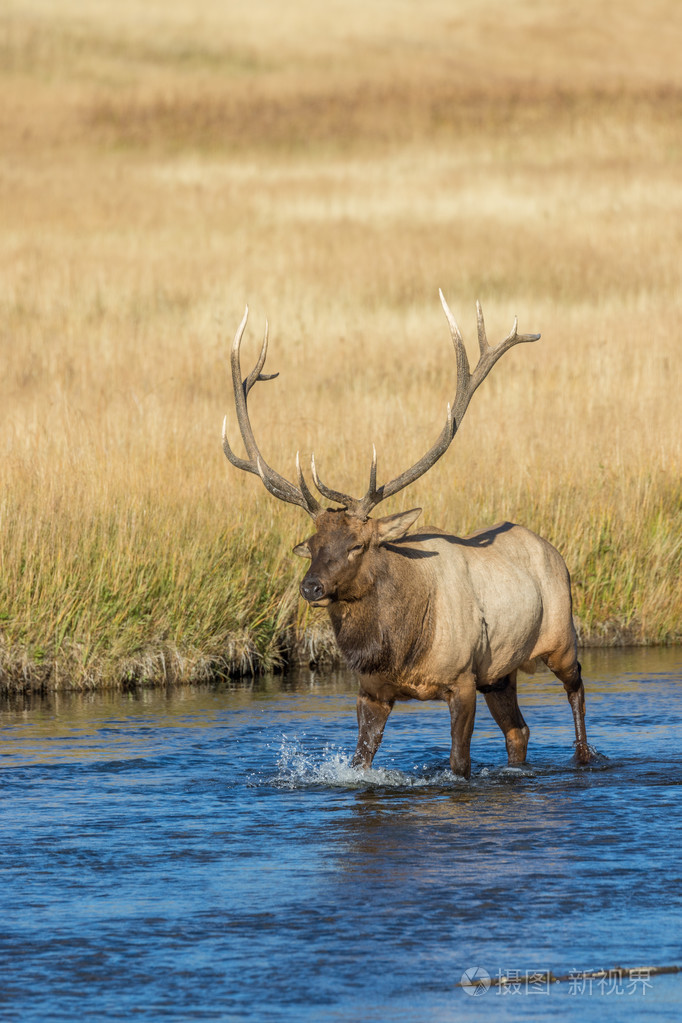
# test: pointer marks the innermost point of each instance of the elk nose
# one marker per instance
(312, 589)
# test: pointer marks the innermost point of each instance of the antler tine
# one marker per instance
(240, 463)
(255, 373)
(276, 485)
(483, 344)
(240, 393)
(311, 500)
(456, 335)
(345, 500)
(373, 472)
(463, 372)
(374, 495)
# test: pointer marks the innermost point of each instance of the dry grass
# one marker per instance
(164, 163)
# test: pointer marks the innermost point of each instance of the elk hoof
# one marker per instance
(583, 753)
(517, 746)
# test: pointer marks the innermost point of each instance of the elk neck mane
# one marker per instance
(389, 627)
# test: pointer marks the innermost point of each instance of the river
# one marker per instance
(207, 853)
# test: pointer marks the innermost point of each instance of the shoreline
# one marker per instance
(164, 666)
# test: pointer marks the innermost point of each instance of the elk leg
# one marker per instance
(462, 704)
(372, 716)
(571, 677)
(503, 704)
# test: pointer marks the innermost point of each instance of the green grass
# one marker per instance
(158, 594)
(141, 591)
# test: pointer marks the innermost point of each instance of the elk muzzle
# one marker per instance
(313, 590)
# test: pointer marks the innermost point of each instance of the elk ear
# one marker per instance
(302, 550)
(392, 527)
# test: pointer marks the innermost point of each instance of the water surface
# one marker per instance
(208, 854)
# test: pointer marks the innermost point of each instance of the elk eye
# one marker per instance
(355, 551)
(302, 550)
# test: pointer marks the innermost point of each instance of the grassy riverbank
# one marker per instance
(165, 163)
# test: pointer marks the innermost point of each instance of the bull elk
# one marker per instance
(428, 615)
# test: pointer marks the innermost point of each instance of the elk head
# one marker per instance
(344, 535)
(339, 568)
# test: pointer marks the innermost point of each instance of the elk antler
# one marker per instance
(467, 382)
(274, 483)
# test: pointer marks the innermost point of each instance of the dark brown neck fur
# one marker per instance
(388, 629)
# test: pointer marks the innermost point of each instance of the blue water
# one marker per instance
(208, 854)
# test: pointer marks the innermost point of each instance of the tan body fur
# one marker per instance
(432, 616)
(438, 587)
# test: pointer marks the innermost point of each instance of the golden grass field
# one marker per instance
(333, 165)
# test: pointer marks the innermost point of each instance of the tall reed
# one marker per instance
(160, 171)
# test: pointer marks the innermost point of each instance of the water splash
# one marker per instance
(506, 772)
(299, 767)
